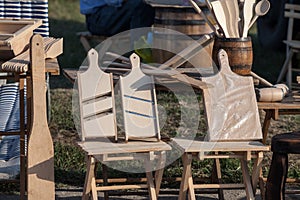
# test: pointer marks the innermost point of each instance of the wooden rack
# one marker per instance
(37, 163)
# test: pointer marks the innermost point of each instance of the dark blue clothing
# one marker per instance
(109, 20)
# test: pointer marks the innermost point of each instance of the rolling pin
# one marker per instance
(270, 94)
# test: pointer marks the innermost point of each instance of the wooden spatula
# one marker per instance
(248, 14)
(228, 16)
(220, 16)
(233, 9)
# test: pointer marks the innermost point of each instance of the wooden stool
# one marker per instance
(282, 145)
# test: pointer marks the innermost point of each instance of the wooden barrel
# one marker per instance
(184, 20)
(240, 54)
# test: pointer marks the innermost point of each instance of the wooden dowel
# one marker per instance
(121, 187)
(169, 73)
(122, 180)
(218, 186)
(262, 80)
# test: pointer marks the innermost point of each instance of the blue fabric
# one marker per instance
(21, 9)
(90, 6)
(110, 20)
(9, 147)
(10, 169)
(9, 157)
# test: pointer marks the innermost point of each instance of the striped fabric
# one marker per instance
(9, 157)
(8, 96)
(27, 9)
(10, 107)
(10, 169)
(9, 147)
(13, 123)
(10, 121)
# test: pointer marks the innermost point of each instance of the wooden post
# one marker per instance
(40, 146)
(22, 141)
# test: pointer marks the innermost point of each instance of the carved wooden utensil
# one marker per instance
(261, 8)
(248, 13)
(233, 9)
(220, 17)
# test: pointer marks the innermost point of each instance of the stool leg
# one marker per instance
(275, 187)
(105, 179)
(217, 177)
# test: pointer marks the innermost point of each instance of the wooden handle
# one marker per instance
(93, 59)
(248, 14)
(40, 146)
(135, 61)
(199, 11)
(262, 80)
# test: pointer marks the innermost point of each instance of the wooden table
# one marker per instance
(288, 106)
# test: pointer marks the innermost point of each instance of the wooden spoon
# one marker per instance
(261, 8)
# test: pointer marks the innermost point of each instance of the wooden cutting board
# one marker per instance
(139, 103)
(230, 106)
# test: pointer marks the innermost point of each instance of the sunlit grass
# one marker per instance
(65, 10)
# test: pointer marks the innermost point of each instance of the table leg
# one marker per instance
(186, 175)
(217, 177)
(247, 180)
(90, 174)
(149, 175)
(266, 124)
(105, 179)
(257, 171)
(159, 172)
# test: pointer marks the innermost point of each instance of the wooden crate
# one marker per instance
(15, 35)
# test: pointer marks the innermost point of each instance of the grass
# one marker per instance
(65, 21)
